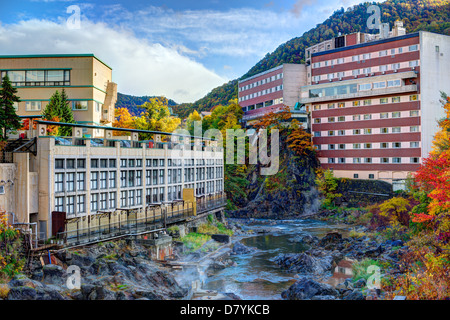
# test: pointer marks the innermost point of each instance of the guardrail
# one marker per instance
(211, 202)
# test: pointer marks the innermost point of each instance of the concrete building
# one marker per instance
(269, 91)
(85, 78)
(374, 101)
(83, 177)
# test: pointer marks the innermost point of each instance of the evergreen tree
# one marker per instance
(58, 109)
(66, 114)
(9, 120)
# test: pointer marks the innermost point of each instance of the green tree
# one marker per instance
(58, 109)
(327, 185)
(9, 120)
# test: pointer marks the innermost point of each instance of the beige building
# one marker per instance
(85, 78)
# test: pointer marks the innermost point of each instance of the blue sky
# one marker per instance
(181, 49)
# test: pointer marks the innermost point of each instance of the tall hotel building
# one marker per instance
(375, 101)
(268, 91)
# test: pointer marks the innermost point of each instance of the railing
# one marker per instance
(122, 222)
(211, 202)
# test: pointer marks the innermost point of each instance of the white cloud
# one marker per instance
(139, 67)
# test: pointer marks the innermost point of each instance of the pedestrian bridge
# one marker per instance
(105, 226)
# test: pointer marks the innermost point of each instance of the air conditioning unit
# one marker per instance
(317, 82)
(367, 74)
(372, 74)
(413, 68)
(395, 70)
(383, 72)
(340, 78)
(331, 80)
(356, 77)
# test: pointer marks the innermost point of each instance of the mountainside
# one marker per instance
(132, 103)
(417, 15)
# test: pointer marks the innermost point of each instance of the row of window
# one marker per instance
(395, 160)
(383, 145)
(69, 164)
(38, 77)
(363, 57)
(76, 105)
(261, 82)
(366, 102)
(366, 131)
(260, 93)
(267, 103)
(358, 117)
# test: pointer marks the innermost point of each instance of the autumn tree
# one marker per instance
(327, 186)
(299, 140)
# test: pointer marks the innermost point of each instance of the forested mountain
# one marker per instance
(132, 103)
(426, 15)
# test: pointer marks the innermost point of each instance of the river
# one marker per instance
(256, 277)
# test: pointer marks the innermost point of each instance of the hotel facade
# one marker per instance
(375, 104)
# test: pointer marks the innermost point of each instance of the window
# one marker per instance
(331, 106)
(395, 67)
(383, 53)
(367, 102)
(161, 176)
(59, 204)
(331, 160)
(331, 147)
(395, 99)
(112, 179)
(81, 163)
(59, 182)
(367, 117)
(379, 85)
(317, 107)
(413, 97)
(81, 181)
(341, 146)
(59, 164)
(103, 163)
(356, 117)
(414, 160)
(394, 83)
(396, 145)
(356, 131)
(384, 100)
(384, 160)
(366, 56)
(131, 175)
(413, 47)
(103, 201)
(414, 144)
(384, 130)
(331, 119)
(367, 160)
(367, 146)
(79, 105)
(384, 115)
(112, 163)
(383, 68)
(138, 197)
(368, 131)
(331, 133)
(94, 202)
(33, 105)
(341, 105)
(123, 199)
(365, 86)
(356, 103)
(355, 176)
(371, 176)
(94, 180)
(138, 178)
(70, 182)
(414, 129)
(317, 120)
(341, 119)
(112, 200)
(104, 180)
(396, 160)
(367, 70)
(81, 204)
(94, 163)
(355, 72)
(414, 63)
(356, 146)
(355, 58)
(395, 114)
(396, 130)
(384, 145)
(341, 160)
(356, 160)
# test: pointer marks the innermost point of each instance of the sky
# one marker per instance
(181, 49)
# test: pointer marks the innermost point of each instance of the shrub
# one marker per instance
(194, 241)
(360, 268)
(11, 262)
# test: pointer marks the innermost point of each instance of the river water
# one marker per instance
(256, 276)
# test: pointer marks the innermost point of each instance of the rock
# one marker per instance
(361, 283)
(54, 274)
(86, 290)
(23, 281)
(306, 288)
(331, 238)
(323, 298)
(22, 293)
(239, 248)
(304, 263)
(353, 295)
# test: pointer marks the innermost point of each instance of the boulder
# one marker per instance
(305, 289)
(304, 263)
(353, 295)
(239, 248)
(22, 293)
(54, 274)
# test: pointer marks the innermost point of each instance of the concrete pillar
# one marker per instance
(189, 196)
(22, 186)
